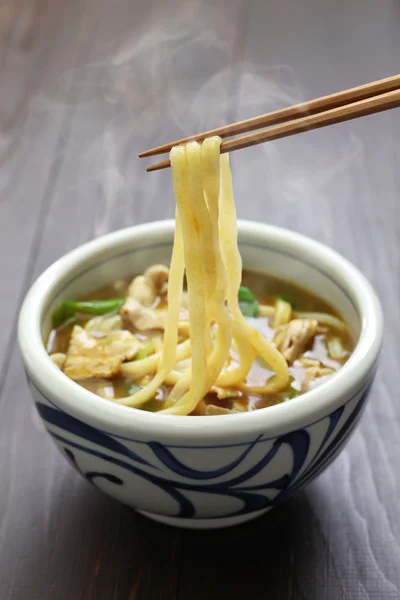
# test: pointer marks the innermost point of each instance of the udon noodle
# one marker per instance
(205, 248)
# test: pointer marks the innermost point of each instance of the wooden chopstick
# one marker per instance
(291, 112)
(347, 112)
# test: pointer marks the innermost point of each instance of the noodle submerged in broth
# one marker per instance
(226, 342)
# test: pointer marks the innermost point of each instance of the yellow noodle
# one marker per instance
(168, 358)
(205, 208)
(205, 268)
(246, 355)
(173, 377)
(150, 364)
(233, 265)
(206, 245)
(186, 163)
(218, 281)
(265, 310)
(323, 319)
(283, 313)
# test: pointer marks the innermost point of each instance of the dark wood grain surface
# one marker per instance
(84, 86)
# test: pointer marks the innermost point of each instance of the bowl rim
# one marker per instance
(111, 417)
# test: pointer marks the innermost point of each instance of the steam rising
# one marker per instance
(171, 78)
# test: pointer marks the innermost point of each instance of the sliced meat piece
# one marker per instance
(141, 291)
(154, 282)
(138, 317)
(101, 326)
(89, 356)
(157, 276)
(85, 367)
(297, 334)
(144, 290)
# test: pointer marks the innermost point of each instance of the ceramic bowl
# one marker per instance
(202, 472)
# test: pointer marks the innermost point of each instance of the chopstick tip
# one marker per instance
(159, 166)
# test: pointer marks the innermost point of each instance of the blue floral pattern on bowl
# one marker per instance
(263, 472)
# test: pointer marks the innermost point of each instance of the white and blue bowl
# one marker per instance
(202, 472)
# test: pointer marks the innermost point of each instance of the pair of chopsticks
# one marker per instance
(342, 106)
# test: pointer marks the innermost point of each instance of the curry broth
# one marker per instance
(265, 288)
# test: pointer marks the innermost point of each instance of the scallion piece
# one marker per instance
(247, 302)
(245, 295)
(146, 351)
(67, 309)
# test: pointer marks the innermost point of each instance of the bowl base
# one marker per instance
(215, 523)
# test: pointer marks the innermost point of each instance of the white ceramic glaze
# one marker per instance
(202, 471)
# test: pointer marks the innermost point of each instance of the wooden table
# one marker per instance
(86, 85)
